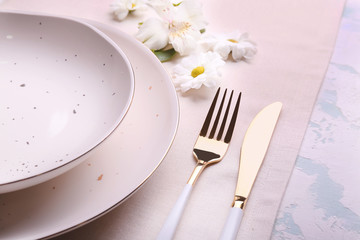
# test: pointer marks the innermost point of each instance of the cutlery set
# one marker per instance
(211, 148)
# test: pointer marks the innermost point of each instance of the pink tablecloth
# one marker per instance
(295, 41)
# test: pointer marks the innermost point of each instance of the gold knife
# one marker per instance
(253, 150)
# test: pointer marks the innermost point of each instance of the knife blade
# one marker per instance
(253, 151)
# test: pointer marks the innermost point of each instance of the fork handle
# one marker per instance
(232, 224)
(168, 229)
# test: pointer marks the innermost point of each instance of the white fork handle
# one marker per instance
(232, 224)
(168, 229)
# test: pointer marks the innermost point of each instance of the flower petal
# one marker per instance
(180, 70)
(164, 8)
(244, 49)
(207, 41)
(121, 14)
(120, 10)
(237, 54)
(190, 10)
(154, 34)
(183, 37)
(222, 49)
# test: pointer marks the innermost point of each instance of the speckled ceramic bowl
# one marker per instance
(64, 88)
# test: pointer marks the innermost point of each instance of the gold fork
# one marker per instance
(207, 150)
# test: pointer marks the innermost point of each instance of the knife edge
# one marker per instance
(253, 150)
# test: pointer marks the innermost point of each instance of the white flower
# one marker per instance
(183, 36)
(182, 22)
(236, 44)
(197, 70)
(121, 8)
(154, 33)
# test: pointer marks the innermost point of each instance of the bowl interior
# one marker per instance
(64, 88)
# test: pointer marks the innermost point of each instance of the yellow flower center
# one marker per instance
(133, 5)
(197, 71)
(233, 41)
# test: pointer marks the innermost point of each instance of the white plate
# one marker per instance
(64, 88)
(122, 164)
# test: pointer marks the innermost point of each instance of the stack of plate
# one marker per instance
(87, 115)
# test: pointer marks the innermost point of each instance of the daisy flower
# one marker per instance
(180, 26)
(121, 8)
(236, 44)
(197, 70)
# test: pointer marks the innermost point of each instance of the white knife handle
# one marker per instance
(168, 229)
(232, 224)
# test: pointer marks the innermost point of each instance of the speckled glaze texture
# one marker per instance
(116, 170)
(322, 199)
(64, 88)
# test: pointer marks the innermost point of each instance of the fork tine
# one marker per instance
(206, 124)
(233, 121)
(212, 133)
(221, 131)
